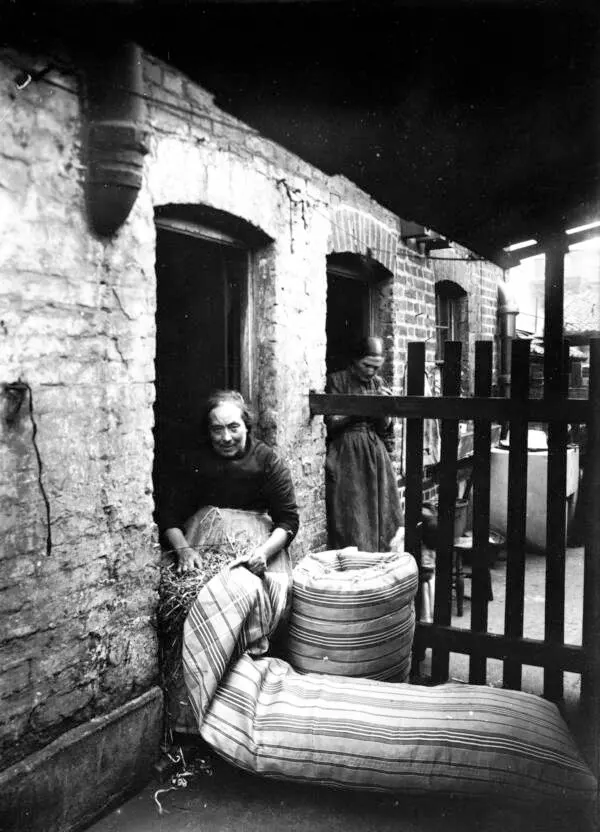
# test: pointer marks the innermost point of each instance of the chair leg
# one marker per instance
(490, 591)
(459, 580)
(427, 601)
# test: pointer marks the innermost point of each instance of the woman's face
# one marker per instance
(367, 366)
(227, 430)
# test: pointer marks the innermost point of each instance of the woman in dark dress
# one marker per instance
(363, 503)
(231, 470)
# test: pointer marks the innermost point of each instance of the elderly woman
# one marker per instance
(363, 503)
(231, 470)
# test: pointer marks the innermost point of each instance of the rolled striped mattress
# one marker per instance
(353, 614)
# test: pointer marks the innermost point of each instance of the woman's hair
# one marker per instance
(218, 397)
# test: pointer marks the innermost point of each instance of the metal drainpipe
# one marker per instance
(507, 317)
(116, 140)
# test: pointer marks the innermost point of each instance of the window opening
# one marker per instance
(352, 309)
(450, 315)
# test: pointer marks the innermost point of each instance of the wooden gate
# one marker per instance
(558, 411)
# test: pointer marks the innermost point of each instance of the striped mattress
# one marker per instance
(353, 614)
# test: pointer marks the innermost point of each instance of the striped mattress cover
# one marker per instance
(353, 614)
(265, 717)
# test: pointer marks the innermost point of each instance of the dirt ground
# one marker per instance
(219, 798)
(233, 801)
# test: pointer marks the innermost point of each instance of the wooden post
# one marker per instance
(415, 386)
(590, 682)
(516, 512)
(481, 510)
(555, 388)
(413, 493)
(446, 509)
(554, 314)
(556, 529)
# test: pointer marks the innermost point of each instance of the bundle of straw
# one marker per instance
(211, 536)
(178, 592)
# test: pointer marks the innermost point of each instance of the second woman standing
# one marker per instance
(363, 503)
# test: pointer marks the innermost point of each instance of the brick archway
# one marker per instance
(358, 232)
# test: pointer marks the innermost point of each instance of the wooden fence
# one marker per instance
(557, 411)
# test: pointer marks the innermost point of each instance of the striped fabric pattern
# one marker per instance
(217, 527)
(358, 733)
(234, 612)
(262, 716)
(353, 614)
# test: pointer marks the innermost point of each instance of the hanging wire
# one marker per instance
(16, 393)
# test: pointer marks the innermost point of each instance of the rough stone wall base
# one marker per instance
(90, 769)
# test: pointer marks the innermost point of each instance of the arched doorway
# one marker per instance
(204, 327)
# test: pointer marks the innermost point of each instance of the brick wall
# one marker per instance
(478, 278)
(77, 327)
(415, 316)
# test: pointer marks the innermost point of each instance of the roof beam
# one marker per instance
(542, 245)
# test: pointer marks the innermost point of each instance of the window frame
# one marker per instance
(451, 316)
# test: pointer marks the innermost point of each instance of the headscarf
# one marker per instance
(370, 345)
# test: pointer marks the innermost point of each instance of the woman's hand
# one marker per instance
(384, 421)
(338, 423)
(187, 560)
(257, 561)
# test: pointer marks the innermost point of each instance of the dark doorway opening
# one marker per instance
(202, 290)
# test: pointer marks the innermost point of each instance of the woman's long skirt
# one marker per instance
(363, 503)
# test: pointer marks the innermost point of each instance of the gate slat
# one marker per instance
(446, 508)
(413, 505)
(556, 386)
(481, 511)
(516, 511)
(590, 681)
(569, 657)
